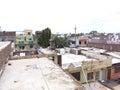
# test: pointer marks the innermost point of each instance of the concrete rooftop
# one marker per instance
(76, 60)
(35, 74)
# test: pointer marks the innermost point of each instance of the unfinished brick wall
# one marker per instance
(114, 75)
(4, 55)
(110, 47)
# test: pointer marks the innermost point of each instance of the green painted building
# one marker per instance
(25, 40)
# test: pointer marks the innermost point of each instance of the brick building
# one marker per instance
(83, 41)
(110, 47)
(113, 71)
(7, 36)
(5, 51)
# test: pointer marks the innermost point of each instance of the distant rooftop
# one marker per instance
(115, 57)
(7, 33)
(76, 60)
(4, 44)
(46, 51)
(36, 74)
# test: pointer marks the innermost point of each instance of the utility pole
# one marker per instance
(75, 36)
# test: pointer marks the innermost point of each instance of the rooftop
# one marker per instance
(115, 57)
(46, 51)
(4, 44)
(76, 60)
(35, 74)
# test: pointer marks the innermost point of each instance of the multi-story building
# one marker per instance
(7, 36)
(25, 40)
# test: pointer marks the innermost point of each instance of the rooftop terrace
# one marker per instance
(36, 74)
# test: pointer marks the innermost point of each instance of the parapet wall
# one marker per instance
(4, 55)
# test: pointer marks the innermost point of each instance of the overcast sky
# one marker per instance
(60, 16)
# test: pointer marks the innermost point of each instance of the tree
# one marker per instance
(43, 39)
(93, 33)
(61, 42)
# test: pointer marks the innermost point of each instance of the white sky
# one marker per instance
(60, 16)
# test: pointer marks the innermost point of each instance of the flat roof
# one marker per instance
(115, 57)
(3, 44)
(113, 54)
(35, 74)
(76, 60)
(93, 50)
(115, 61)
(46, 51)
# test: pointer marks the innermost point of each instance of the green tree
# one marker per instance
(43, 39)
(61, 42)
(93, 33)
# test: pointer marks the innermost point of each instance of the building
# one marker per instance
(25, 40)
(7, 36)
(83, 41)
(114, 70)
(109, 42)
(36, 74)
(37, 33)
(5, 52)
(86, 67)
(110, 47)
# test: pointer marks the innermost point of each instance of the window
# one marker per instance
(117, 70)
(76, 75)
(22, 47)
(30, 39)
(90, 76)
(29, 33)
(31, 46)
(79, 42)
(97, 75)
(19, 47)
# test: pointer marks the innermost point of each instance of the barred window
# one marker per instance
(90, 76)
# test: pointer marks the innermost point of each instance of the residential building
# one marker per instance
(86, 67)
(114, 70)
(8, 36)
(25, 40)
(83, 41)
(109, 42)
(36, 74)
